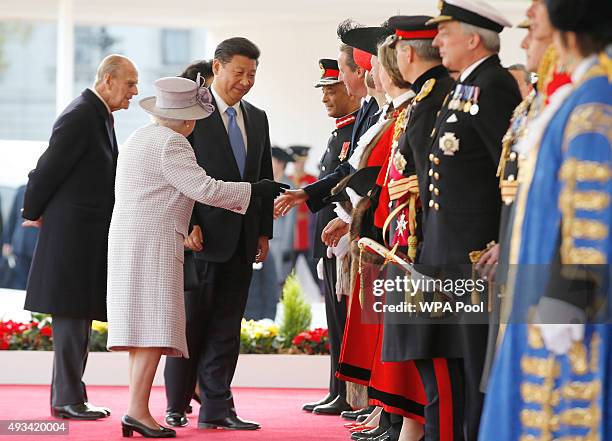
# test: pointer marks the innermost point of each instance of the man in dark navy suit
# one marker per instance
(70, 197)
(232, 144)
(19, 243)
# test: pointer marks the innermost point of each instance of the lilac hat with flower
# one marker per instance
(179, 98)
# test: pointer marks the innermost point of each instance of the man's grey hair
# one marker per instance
(521, 68)
(490, 39)
(110, 65)
(423, 48)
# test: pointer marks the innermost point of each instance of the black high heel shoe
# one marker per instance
(129, 425)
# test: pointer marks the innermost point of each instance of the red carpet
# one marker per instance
(277, 410)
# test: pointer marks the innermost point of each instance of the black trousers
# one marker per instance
(336, 319)
(213, 312)
(70, 350)
(443, 381)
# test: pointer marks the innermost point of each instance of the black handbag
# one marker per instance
(191, 279)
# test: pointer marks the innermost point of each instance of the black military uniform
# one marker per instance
(336, 153)
(464, 202)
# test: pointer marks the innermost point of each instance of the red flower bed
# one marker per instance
(312, 342)
(35, 335)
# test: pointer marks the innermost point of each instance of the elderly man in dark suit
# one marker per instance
(233, 144)
(70, 197)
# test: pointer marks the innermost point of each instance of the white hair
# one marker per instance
(174, 124)
(111, 65)
(423, 48)
(490, 39)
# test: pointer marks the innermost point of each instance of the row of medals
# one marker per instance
(465, 98)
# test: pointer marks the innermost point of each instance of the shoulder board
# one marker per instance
(426, 89)
(345, 121)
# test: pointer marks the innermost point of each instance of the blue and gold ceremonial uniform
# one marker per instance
(563, 215)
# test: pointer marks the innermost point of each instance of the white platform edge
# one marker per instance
(110, 369)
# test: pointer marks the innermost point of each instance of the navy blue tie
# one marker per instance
(236, 139)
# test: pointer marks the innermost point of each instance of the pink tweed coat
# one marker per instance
(157, 181)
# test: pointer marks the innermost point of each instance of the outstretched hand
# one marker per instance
(287, 201)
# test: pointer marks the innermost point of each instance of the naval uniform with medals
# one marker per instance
(402, 341)
(464, 207)
(337, 151)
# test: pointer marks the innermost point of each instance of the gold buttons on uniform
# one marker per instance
(431, 187)
(431, 156)
(431, 203)
(513, 156)
(436, 176)
(436, 206)
(436, 191)
(431, 172)
(436, 160)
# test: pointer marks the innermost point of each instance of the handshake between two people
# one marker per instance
(268, 189)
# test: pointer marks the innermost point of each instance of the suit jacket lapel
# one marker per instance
(102, 111)
(251, 146)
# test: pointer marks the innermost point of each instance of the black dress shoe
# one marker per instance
(336, 407)
(104, 410)
(232, 422)
(76, 412)
(308, 407)
(176, 419)
(369, 435)
(129, 425)
(362, 418)
(354, 414)
(384, 437)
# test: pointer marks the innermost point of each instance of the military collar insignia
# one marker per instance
(345, 121)
(426, 89)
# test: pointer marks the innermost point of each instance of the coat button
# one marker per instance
(436, 206)
(436, 191)
(431, 187)
(436, 176)
(431, 203)
(436, 161)
(328, 150)
(431, 156)
(513, 156)
(511, 178)
(323, 168)
(430, 172)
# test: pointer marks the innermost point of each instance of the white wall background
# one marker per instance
(291, 35)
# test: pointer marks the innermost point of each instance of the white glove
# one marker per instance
(560, 323)
(342, 249)
(320, 269)
(560, 338)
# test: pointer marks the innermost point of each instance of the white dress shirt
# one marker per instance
(93, 89)
(471, 68)
(222, 106)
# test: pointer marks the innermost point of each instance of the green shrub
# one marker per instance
(297, 312)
